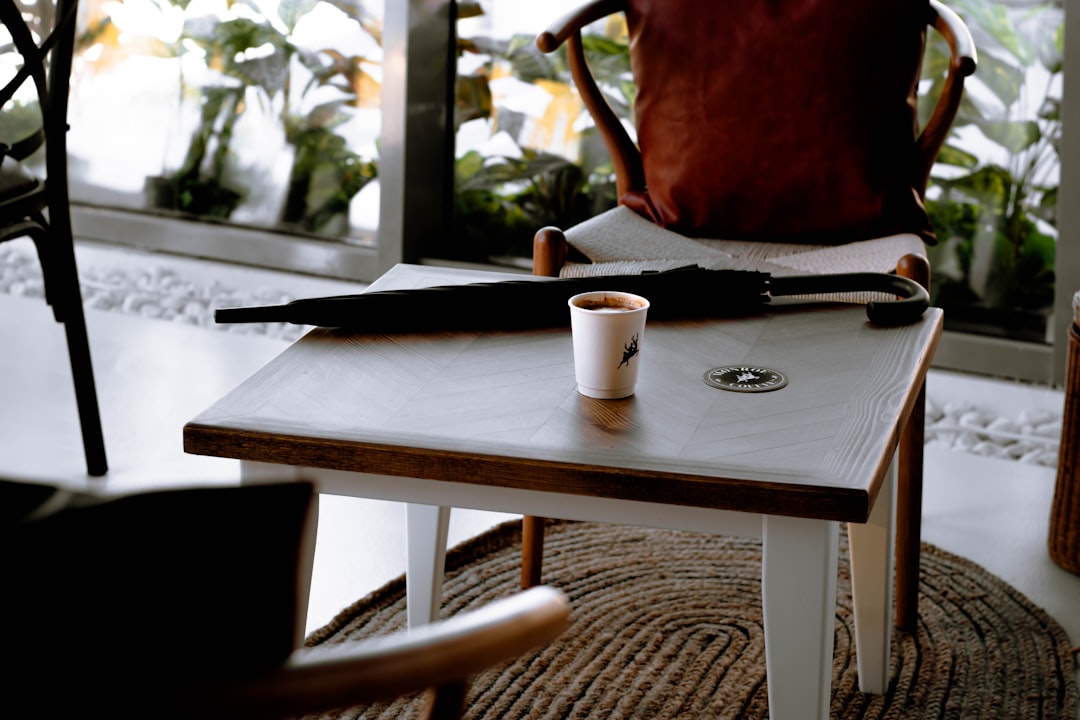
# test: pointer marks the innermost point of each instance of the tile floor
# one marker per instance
(155, 375)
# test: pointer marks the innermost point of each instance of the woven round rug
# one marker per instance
(668, 624)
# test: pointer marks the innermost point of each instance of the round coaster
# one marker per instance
(745, 378)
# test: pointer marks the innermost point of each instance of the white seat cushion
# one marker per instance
(621, 242)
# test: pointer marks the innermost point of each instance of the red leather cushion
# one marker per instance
(789, 120)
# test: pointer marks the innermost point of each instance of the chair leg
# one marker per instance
(532, 550)
(38, 232)
(549, 254)
(447, 702)
(909, 515)
(85, 393)
(910, 484)
(67, 306)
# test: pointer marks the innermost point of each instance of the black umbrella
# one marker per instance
(684, 293)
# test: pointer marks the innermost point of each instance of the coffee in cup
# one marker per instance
(608, 328)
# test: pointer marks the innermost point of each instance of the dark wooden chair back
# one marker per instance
(787, 122)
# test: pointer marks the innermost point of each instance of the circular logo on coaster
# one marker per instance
(745, 378)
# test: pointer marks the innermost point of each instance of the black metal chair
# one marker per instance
(35, 204)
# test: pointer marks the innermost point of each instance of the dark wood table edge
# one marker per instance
(722, 493)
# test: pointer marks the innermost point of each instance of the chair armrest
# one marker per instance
(441, 654)
(956, 33)
(962, 64)
(572, 22)
(625, 156)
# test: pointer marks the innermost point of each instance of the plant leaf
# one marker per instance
(952, 155)
(1003, 79)
(992, 19)
(1014, 136)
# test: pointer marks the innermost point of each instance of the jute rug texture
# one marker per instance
(668, 625)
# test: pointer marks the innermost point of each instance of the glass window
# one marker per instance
(525, 154)
(261, 113)
(268, 114)
(994, 192)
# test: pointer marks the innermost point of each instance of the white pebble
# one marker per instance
(1049, 459)
(933, 411)
(947, 437)
(1050, 429)
(100, 302)
(174, 303)
(161, 273)
(988, 449)
(133, 302)
(1015, 451)
(1037, 416)
(967, 440)
(1005, 425)
(34, 287)
(975, 418)
(955, 408)
(1032, 457)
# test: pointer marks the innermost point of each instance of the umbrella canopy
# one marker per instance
(684, 293)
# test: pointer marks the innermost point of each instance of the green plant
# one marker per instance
(199, 187)
(993, 194)
(253, 56)
(326, 173)
(202, 185)
(325, 176)
(20, 114)
(500, 201)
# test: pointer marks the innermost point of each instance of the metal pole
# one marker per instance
(416, 144)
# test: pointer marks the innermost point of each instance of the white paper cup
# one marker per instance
(608, 329)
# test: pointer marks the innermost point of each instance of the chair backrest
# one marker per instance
(116, 601)
(185, 602)
(787, 120)
(43, 35)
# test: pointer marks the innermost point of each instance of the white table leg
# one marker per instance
(252, 471)
(798, 582)
(427, 526)
(872, 560)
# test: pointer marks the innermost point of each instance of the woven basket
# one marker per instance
(1064, 543)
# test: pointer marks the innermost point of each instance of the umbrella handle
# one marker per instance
(913, 302)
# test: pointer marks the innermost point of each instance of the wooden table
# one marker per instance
(492, 421)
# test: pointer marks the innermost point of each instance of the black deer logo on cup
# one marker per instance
(629, 351)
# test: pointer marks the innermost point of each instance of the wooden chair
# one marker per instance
(779, 137)
(189, 602)
(35, 205)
